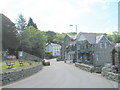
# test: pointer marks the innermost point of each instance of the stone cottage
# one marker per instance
(68, 48)
(94, 49)
(116, 54)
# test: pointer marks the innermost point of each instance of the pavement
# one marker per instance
(63, 75)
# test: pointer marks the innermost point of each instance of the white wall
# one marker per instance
(55, 48)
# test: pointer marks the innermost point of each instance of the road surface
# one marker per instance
(62, 75)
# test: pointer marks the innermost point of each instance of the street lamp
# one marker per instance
(75, 27)
(76, 42)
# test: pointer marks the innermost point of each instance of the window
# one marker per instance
(87, 46)
(105, 45)
(101, 45)
(97, 59)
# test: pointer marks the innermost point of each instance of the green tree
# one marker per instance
(72, 33)
(48, 54)
(31, 23)
(50, 36)
(110, 37)
(21, 22)
(33, 41)
(116, 36)
(9, 35)
(59, 38)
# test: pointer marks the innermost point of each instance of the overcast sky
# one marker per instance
(57, 15)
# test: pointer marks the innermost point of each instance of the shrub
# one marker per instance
(11, 57)
(115, 68)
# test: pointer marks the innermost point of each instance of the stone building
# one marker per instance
(94, 49)
(116, 54)
(88, 48)
(85, 45)
(68, 48)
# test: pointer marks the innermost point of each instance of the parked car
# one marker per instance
(46, 62)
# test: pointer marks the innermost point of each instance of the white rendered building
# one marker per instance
(54, 48)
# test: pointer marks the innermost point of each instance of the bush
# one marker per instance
(48, 54)
(11, 57)
(115, 68)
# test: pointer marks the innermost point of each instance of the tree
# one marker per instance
(31, 23)
(33, 41)
(50, 36)
(72, 33)
(110, 37)
(116, 36)
(21, 22)
(59, 38)
(48, 54)
(9, 35)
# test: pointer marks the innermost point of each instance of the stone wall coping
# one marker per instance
(85, 65)
(20, 69)
(12, 76)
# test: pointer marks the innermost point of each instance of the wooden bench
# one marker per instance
(10, 64)
(21, 62)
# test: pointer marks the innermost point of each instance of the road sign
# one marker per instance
(20, 54)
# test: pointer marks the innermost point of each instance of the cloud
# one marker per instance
(58, 14)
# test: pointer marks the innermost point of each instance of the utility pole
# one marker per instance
(76, 42)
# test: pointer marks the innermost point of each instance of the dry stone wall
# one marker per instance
(9, 77)
(85, 67)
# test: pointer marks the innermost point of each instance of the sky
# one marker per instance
(97, 16)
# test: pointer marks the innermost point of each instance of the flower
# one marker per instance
(114, 66)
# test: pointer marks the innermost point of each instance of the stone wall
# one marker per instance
(12, 76)
(28, 56)
(107, 72)
(110, 75)
(103, 54)
(85, 67)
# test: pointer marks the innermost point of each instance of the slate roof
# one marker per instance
(72, 36)
(90, 37)
(53, 44)
(98, 37)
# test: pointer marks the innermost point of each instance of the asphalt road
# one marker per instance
(62, 75)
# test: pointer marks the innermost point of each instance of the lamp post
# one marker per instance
(76, 42)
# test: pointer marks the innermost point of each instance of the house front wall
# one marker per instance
(102, 53)
(49, 48)
(68, 47)
(55, 49)
(85, 51)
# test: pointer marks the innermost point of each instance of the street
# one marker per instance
(63, 75)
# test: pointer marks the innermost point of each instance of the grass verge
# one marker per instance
(17, 66)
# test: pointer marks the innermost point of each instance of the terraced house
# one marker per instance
(91, 49)
(68, 48)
